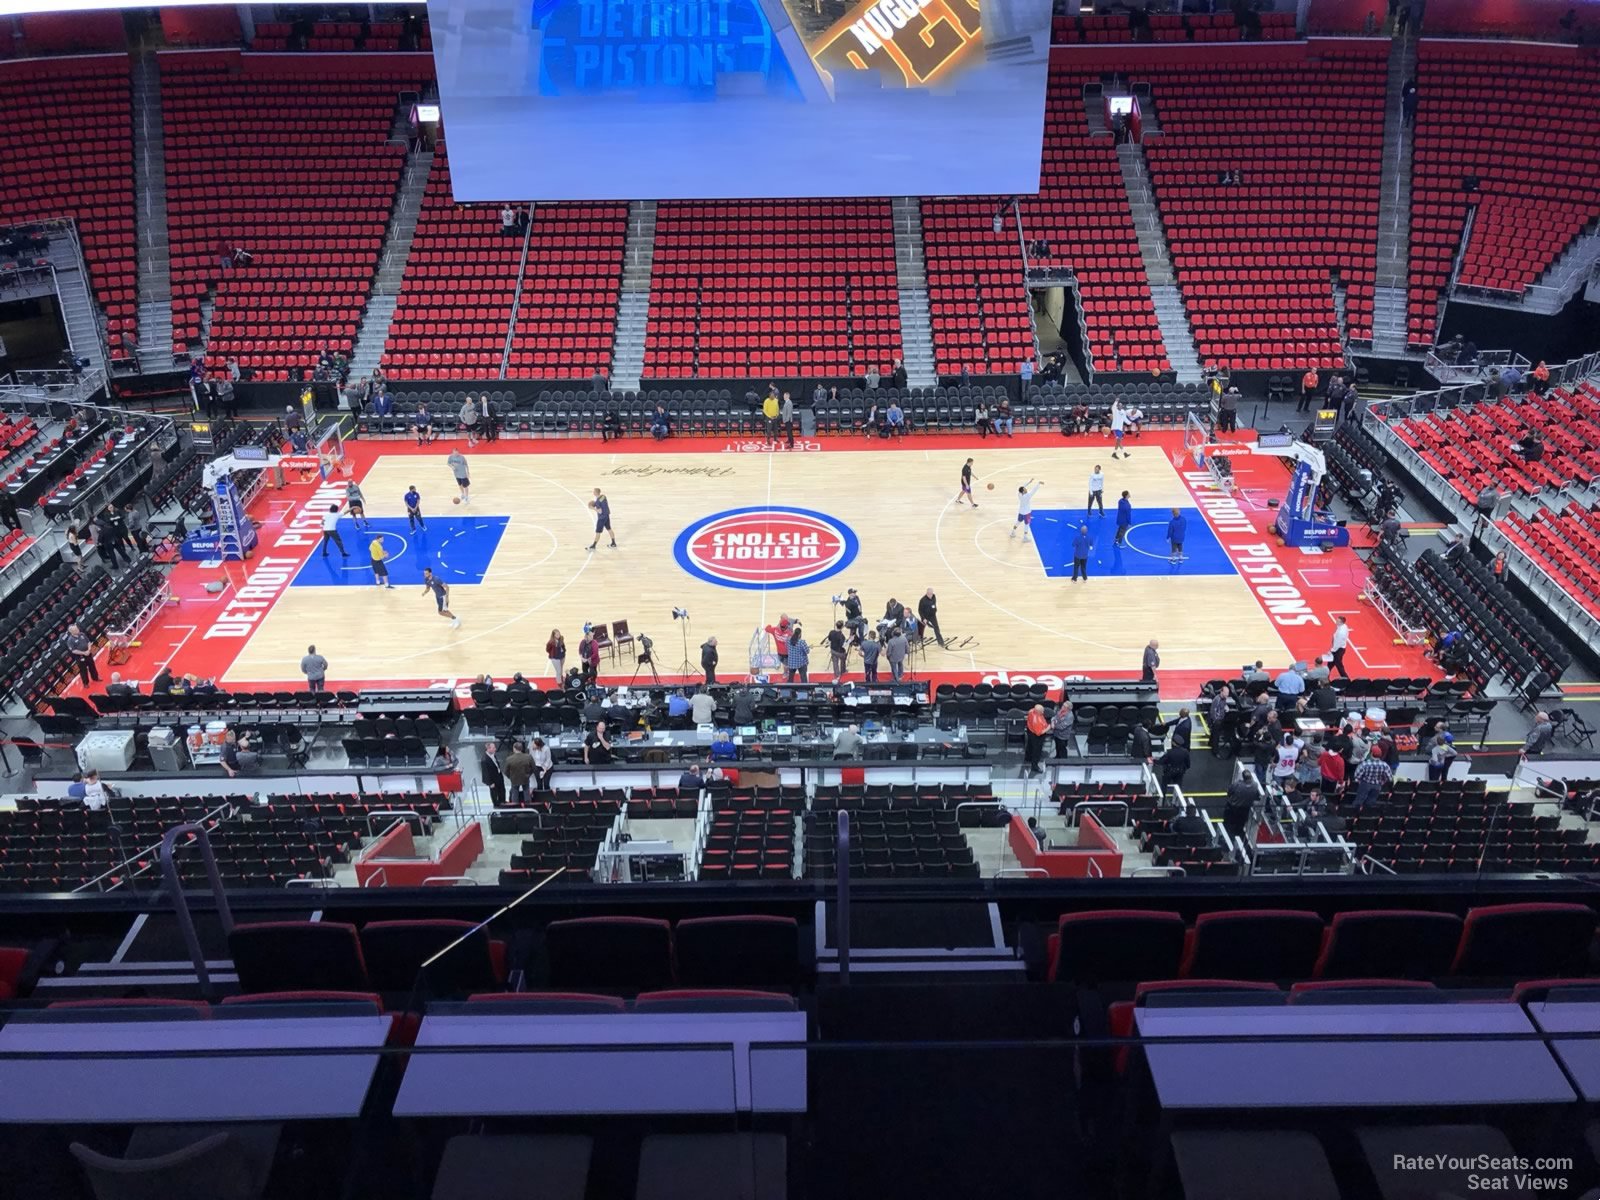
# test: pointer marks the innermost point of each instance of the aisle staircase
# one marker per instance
(916, 319)
(78, 310)
(1157, 256)
(378, 315)
(150, 216)
(633, 306)
(1389, 309)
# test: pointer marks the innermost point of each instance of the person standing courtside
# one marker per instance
(928, 610)
(870, 649)
(493, 779)
(895, 650)
(1341, 643)
(1152, 660)
(80, 652)
(786, 415)
(1097, 491)
(602, 519)
(315, 669)
(708, 660)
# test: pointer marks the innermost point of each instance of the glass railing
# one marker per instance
(936, 1090)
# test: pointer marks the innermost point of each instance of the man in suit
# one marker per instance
(489, 770)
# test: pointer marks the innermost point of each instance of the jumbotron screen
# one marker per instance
(702, 99)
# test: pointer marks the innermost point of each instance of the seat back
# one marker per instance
(203, 1170)
(1122, 945)
(396, 951)
(713, 1000)
(290, 956)
(1265, 944)
(1525, 940)
(1397, 944)
(755, 951)
(627, 953)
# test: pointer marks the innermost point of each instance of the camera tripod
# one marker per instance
(685, 668)
(646, 659)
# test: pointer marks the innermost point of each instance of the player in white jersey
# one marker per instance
(1025, 496)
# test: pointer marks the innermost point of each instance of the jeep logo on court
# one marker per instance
(765, 547)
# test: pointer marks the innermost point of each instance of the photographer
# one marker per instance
(853, 620)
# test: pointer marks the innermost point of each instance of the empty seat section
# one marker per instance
(1513, 123)
(295, 166)
(768, 287)
(977, 298)
(1256, 261)
(68, 152)
(1082, 212)
(295, 956)
(567, 318)
(454, 306)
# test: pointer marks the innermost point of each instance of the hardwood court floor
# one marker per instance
(996, 601)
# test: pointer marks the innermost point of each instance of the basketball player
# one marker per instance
(1025, 508)
(966, 484)
(602, 519)
(441, 595)
(458, 468)
(1119, 423)
(357, 504)
(1097, 491)
(413, 501)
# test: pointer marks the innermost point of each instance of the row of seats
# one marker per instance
(627, 954)
(1139, 26)
(1508, 941)
(1566, 544)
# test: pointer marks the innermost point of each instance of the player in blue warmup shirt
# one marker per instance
(602, 519)
(1176, 528)
(1124, 520)
(414, 508)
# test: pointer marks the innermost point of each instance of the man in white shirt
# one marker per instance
(1097, 490)
(1341, 643)
(1025, 496)
(1119, 423)
(330, 531)
(94, 792)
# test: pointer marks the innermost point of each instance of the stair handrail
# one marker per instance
(180, 900)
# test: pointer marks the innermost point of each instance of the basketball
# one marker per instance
(457, 500)
(990, 486)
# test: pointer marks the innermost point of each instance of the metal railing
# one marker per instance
(180, 901)
(150, 853)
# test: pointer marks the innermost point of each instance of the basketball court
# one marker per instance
(737, 535)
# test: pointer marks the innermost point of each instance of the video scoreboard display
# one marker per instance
(667, 99)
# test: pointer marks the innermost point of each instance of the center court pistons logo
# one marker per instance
(767, 547)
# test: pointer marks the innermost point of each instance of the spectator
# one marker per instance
(1408, 100)
(980, 418)
(1003, 420)
(518, 770)
(798, 660)
(1331, 770)
(1061, 730)
(1372, 777)
(1035, 726)
(1174, 765)
(544, 764)
(690, 780)
(1026, 374)
(660, 423)
(896, 419)
(1441, 754)
(897, 376)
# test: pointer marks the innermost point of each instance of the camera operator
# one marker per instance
(853, 620)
